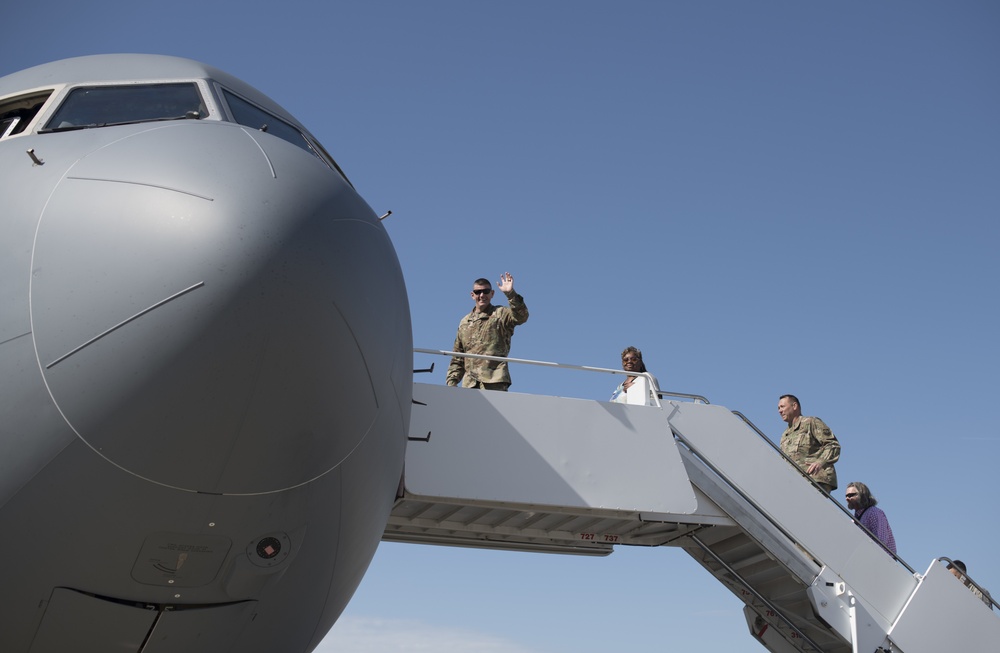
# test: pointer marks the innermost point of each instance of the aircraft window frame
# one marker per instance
(207, 106)
(18, 112)
(285, 131)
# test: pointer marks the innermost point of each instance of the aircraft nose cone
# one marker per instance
(204, 320)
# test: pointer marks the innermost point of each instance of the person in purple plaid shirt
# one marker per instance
(861, 501)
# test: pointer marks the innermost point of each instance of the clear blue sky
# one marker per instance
(765, 197)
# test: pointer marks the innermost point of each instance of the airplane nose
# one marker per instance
(210, 331)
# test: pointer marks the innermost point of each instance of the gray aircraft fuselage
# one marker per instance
(205, 366)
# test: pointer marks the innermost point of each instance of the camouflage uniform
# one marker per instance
(487, 333)
(808, 440)
(979, 595)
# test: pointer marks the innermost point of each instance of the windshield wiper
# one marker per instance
(190, 115)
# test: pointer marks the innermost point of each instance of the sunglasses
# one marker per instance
(851, 495)
(482, 291)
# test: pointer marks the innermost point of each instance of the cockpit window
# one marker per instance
(16, 113)
(103, 106)
(250, 115)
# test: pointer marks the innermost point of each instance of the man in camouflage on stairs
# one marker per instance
(809, 443)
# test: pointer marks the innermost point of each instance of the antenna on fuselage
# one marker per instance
(387, 214)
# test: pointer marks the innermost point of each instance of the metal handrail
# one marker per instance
(985, 592)
(586, 368)
(659, 394)
(743, 495)
(697, 398)
(843, 509)
(750, 588)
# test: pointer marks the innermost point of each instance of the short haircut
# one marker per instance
(791, 398)
(638, 354)
(865, 498)
(482, 282)
(957, 564)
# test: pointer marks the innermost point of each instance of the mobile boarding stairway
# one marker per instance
(560, 475)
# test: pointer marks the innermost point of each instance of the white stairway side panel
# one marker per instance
(505, 447)
(806, 514)
(944, 615)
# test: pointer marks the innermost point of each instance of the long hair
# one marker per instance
(865, 498)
